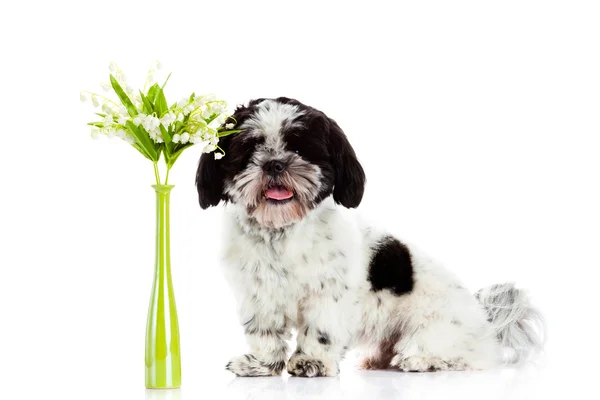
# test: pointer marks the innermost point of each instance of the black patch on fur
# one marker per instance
(323, 338)
(391, 267)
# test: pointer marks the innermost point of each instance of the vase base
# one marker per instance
(163, 388)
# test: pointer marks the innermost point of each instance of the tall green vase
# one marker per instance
(163, 360)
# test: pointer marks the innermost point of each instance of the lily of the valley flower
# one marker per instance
(209, 148)
(150, 123)
(138, 119)
(185, 137)
(168, 119)
(192, 120)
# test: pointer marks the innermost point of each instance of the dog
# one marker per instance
(299, 257)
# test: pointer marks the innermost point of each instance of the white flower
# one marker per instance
(207, 113)
(129, 90)
(176, 138)
(150, 77)
(95, 133)
(180, 117)
(129, 139)
(151, 123)
(218, 121)
(113, 67)
(121, 133)
(196, 138)
(138, 119)
(209, 148)
(108, 120)
(157, 65)
(200, 102)
(122, 121)
(185, 137)
(218, 156)
(111, 133)
(106, 86)
(217, 108)
(229, 126)
(214, 140)
(168, 119)
(95, 101)
(123, 111)
(107, 109)
(83, 97)
(183, 102)
(188, 109)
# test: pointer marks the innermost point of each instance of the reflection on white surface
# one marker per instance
(163, 394)
(499, 384)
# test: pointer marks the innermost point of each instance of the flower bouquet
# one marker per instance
(145, 121)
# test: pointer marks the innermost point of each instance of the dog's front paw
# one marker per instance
(249, 365)
(309, 367)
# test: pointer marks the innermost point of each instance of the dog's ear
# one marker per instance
(350, 178)
(210, 178)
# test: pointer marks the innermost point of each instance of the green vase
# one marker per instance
(163, 360)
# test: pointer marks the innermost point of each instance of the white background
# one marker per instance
(477, 123)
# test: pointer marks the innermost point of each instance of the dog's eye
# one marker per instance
(297, 151)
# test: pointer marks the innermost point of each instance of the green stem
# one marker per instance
(156, 173)
(167, 178)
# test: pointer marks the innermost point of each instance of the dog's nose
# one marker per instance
(274, 167)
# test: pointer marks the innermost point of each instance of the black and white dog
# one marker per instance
(299, 258)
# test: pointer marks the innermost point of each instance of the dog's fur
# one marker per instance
(310, 263)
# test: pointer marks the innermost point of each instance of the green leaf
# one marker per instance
(160, 103)
(177, 153)
(123, 97)
(143, 140)
(227, 133)
(168, 143)
(100, 115)
(141, 150)
(152, 92)
(98, 124)
(148, 108)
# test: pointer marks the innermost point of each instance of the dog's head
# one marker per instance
(287, 159)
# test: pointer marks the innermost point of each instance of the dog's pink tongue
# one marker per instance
(278, 193)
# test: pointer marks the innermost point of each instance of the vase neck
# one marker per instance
(163, 189)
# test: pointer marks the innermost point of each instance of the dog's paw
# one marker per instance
(426, 364)
(308, 367)
(249, 365)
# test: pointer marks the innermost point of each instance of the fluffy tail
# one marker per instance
(520, 327)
